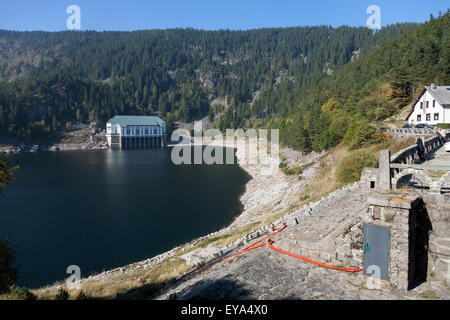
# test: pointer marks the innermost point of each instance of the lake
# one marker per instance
(101, 209)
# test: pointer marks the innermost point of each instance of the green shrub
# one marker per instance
(305, 197)
(20, 293)
(443, 125)
(350, 167)
(304, 167)
(293, 170)
(284, 167)
(82, 296)
(429, 294)
(8, 272)
(62, 294)
(288, 171)
(362, 134)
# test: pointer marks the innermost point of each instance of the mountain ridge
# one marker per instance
(85, 76)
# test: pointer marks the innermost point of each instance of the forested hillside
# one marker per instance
(49, 80)
(344, 106)
(319, 85)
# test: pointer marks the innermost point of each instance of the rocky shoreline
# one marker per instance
(22, 147)
(81, 137)
(264, 195)
(261, 191)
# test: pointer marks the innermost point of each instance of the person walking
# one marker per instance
(420, 149)
(440, 137)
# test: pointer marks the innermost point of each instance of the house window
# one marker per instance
(146, 130)
(419, 118)
(434, 103)
(427, 104)
(128, 131)
(436, 116)
(428, 116)
(421, 104)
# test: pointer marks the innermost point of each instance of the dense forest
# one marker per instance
(345, 105)
(316, 84)
(48, 80)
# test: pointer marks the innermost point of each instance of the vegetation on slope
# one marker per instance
(345, 105)
(8, 272)
(48, 80)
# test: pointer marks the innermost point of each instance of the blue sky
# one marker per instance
(50, 15)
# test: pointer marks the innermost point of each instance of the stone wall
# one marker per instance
(369, 178)
(438, 208)
(344, 246)
(328, 230)
(408, 131)
(401, 133)
(410, 154)
(395, 213)
(418, 220)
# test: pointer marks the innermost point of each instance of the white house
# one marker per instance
(432, 106)
(127, 132)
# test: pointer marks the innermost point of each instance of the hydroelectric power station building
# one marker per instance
(135, 132)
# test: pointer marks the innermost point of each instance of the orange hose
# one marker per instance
(259, 244)
(321, 264)
(252, 246)
(266, 237)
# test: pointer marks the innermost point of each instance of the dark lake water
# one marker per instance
(103, 209)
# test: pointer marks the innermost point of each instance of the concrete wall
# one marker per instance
(114, 142)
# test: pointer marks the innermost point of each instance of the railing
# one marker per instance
(410, 154)
(402, 163)
(419, 167)
(408, 130)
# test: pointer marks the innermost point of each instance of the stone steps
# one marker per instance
(315, 229)
(306, 249)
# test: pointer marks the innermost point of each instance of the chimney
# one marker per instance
(433, 86)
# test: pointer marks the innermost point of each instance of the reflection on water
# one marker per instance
(102, 209)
